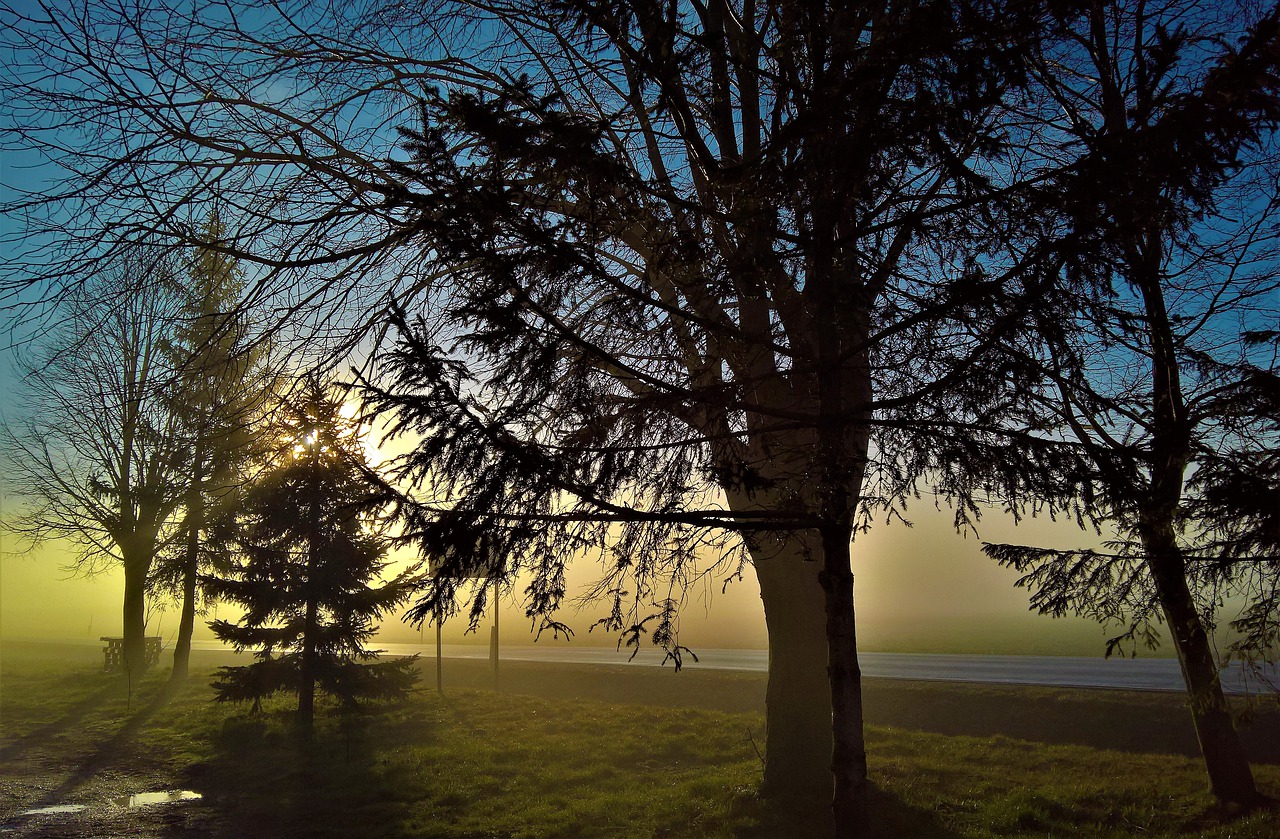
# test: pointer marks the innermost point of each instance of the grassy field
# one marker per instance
(481, 764)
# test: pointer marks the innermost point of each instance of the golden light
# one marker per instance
(355, 426)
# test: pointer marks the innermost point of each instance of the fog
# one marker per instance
(918, 589)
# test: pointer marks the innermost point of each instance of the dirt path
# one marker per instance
(83, 774)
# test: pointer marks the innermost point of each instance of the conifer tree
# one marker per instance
(1155, 346)
(312, 549)
(218, 396)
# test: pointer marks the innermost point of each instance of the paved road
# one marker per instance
(1051, 671)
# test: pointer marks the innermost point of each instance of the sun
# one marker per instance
(361, 428)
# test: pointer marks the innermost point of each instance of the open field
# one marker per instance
(573, 751)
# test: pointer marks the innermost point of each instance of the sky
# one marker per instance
(923, 588)
(919, 589)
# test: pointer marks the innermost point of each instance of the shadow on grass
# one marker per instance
(71, 717)
(268, 777)
(1127, 721)
(891, 818)
(111, 750)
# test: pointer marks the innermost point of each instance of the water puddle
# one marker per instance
(146, 799)
(56, 808)
(139, 799)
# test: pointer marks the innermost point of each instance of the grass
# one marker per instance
(479, 764)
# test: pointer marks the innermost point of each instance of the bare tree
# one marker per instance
(94, 450)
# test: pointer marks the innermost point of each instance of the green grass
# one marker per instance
(479, 764)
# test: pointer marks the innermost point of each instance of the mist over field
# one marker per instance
(920, 589)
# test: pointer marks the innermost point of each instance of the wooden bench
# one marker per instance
(113, 653)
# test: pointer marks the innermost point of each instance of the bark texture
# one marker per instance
(798, 695)
(135, 617)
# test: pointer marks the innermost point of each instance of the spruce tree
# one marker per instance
(312, 548)
(219, 394)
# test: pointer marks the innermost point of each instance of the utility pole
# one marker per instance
(439, 667)
(493, 638)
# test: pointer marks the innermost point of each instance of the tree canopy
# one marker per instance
(700, 287)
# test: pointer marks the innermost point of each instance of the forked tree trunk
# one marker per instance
(1230, 777)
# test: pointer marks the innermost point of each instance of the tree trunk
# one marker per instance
(135, 618)
(798, 697)
(186, 622)
(849, 754)
(1230, 777)
(190, 570)
(307, 674)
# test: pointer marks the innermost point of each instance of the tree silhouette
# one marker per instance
(1158, 348)
(312, 551)
(680, 280)
(676, 281)
(219, 397)
(95, 450)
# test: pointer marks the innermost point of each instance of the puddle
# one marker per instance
(146, 799)
(56, 808)
(141, 799)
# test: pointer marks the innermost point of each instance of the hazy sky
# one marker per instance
(924, 588)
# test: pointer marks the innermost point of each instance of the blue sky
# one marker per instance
(925, 586)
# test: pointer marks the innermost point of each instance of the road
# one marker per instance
(1050, 671)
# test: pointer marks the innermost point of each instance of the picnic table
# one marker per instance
(113, 652)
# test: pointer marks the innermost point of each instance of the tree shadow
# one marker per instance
(890, 816)
(109, 751)
(1139, 723)
(269, 777)
(42, 734)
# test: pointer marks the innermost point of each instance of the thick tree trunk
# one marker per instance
(1230, 777)
(798, 697)
(135, 618)
(190, 570)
